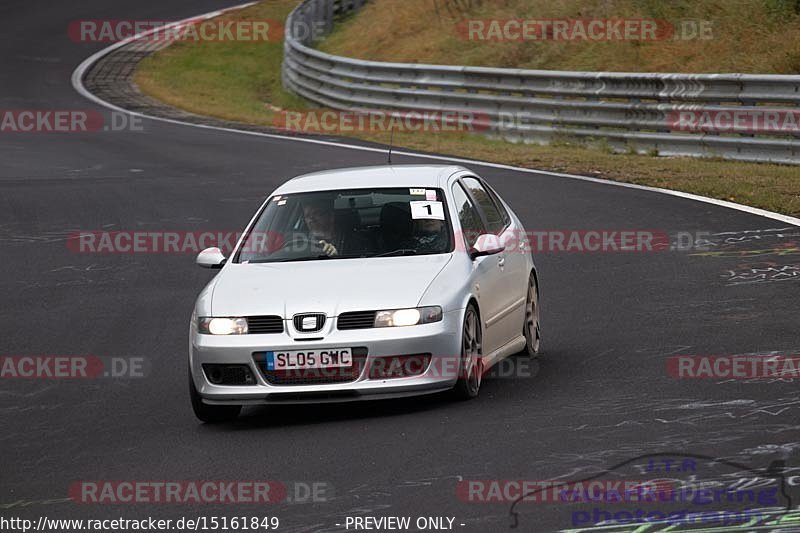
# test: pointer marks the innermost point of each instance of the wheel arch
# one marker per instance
(535, 275)
(474, 302)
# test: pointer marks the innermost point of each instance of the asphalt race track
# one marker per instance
(599, 395)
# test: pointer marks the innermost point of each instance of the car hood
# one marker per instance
(329, 286)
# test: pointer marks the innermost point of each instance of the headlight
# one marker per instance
(408, 317)
(222, 326)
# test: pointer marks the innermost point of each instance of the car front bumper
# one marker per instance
(442, 340)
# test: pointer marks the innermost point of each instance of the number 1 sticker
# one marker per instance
(427, 210)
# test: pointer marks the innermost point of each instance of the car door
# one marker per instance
(511, 287)
(486, 270)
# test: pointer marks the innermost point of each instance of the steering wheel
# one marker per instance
(299, 238)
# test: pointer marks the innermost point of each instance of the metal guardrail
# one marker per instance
(628, 111)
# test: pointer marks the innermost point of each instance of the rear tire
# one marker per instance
(470, 372)
(211, 414)
(532, 328)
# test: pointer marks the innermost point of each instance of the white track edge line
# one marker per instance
(80, 71)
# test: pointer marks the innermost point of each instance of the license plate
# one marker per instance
(333, 358)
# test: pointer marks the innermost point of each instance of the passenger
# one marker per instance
(429, 236)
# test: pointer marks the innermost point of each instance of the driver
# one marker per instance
(333, 235)
(320, 221)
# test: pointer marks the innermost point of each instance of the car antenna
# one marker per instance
(391, 142)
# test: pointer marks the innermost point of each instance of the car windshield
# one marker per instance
(347, 224)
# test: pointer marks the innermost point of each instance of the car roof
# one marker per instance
(371, 177)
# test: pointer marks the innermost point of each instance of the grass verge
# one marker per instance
(754, 36)
(241, 81)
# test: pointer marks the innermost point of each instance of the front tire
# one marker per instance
(470, 371)
(532, 328)
(211, 414)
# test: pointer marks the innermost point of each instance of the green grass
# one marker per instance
(241, 81)
(756, 36)
(230, 80)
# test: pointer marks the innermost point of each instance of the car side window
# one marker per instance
(471, 223)
(493, 217)
(499, 204)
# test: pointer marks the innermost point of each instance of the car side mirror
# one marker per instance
(211, 258)
(486, 244)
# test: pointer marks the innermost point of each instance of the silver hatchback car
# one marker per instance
(364, 283)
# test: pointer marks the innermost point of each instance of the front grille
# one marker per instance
(312, 376)
(264, 324)
(356, 320)
(317, 320)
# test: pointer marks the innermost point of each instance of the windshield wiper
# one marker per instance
(308, 258)
(399, 251)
